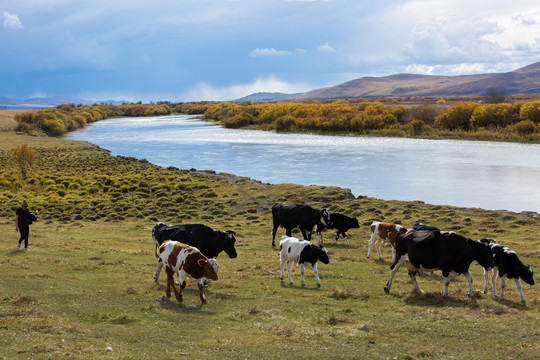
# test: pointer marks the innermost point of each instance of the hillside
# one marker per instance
(523, 81)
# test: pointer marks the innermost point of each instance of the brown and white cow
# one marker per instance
(186, 261)
(384, 232)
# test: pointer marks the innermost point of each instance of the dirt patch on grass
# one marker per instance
(7, 121)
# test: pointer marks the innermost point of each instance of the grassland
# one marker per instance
(87, 283)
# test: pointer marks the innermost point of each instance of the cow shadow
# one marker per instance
(285, 284)
(191, 301)
(437, 299)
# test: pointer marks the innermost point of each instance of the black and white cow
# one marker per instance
(210, 242)
(296, 215)
(507, 265)
(432, 249)
(340, 222)
(302, 252)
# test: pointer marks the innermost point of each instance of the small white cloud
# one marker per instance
(12, 21)
(258, 52)
(326, 48)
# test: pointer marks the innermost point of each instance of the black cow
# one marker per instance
(340, 222)
(447, 251)
(507, 265)
(296, 215)
(210, 242)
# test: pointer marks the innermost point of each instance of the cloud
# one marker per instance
(258, 52)
(208, 92)
(461, 69)
(326, 48)
(12, 21)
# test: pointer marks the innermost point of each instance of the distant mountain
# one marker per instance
(524, 81)
(41, 102)
(265, 96)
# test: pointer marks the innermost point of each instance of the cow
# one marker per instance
(296, 215)
(340, 222)
(186, 261)
(507, 265)
(302, 252)
(384, 232)
(432, 249)
(209, 241)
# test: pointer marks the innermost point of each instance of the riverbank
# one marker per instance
(87, 283)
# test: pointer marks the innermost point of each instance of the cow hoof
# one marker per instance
(290, 283)
(470, 295)
(161, 298)
(205, 302)
(318, 285)
(523, 302)
(386, 289)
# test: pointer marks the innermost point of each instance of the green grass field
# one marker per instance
(87, 283)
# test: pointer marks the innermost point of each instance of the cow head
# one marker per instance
(322, 255)
(482, 253)
(526, 274)
(227, 242)
(210, 268)
(354, 223)
(325, 217)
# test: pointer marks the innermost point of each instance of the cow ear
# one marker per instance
(201, 262)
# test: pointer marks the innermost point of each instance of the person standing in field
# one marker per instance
(22, 224)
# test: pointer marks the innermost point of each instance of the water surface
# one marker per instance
(489, 175)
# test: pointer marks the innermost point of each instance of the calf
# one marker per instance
(384, 232)
(296, 215)
(432, 249)
(209, 241)
(186, 260)
(302, 252)
(507, 265)
(340, 222)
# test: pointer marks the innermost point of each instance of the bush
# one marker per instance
(524, 128)
(494, 115)
(285, 123)
(425, 113)
(417, 127)
(457, 117)
(530, 111)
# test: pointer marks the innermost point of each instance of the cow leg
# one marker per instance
(282, 267)
(274, 231)
(170, 282)
(201, 293)
(158, 270)
(320, 238)
(288, 232)
(182, 276)
(289, 268)
(302, 270)
(412, 275)
(393, 253)
(494, 273)
(471, 288)
(503, 285)
(337, 236)
(518, 284)
(393, 269)
(378, 247)
(486, 275)
(346, 238)
(370, 244)
(316, 272)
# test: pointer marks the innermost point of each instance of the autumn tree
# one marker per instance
(24, 156)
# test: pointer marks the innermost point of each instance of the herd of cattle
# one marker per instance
(191, 250)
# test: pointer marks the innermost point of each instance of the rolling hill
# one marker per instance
(523, 81)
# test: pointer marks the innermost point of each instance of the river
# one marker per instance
(483, 174)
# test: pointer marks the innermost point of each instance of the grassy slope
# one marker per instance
(87, 284)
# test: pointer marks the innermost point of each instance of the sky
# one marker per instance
(191, 50)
